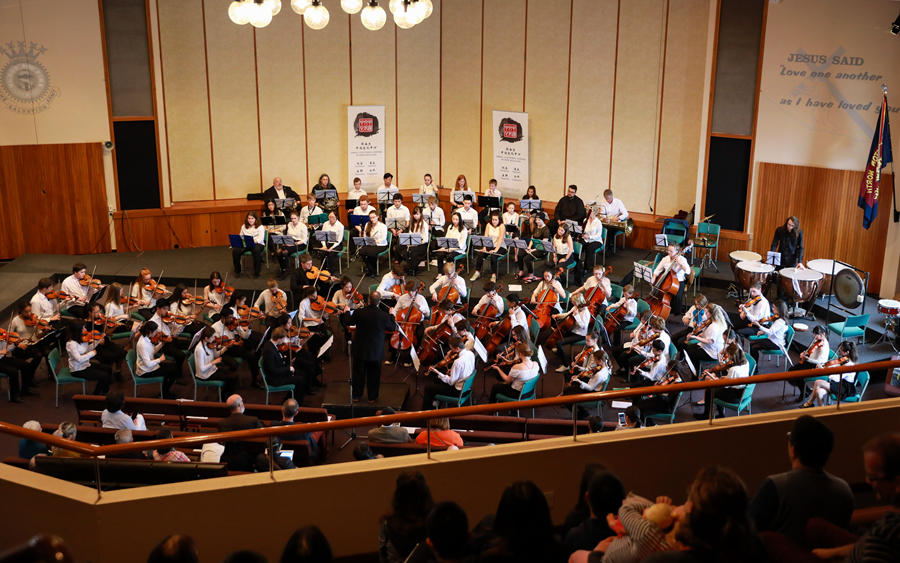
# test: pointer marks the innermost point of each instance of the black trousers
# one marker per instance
(656, 404)
(256, 249)
(101, 374)
(370, 257)
(697, 355)
(13, 367)
(445, 257)
(502, 389)
(366, 374)
(168, 372)
(799, 383)
(573, 259)
(331, 259)
(437, 387)
(413, 254)
(727, 394)
(228, 376)
(764, 344)
(493, 258)
(590, 256)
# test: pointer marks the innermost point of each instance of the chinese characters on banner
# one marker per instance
(510, 134)
(365, 145)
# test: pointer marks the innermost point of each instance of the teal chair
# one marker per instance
(746, 397)
(345, 247)
(265, 251)
(465, 395)
(533, 329)
(710, 231)
(203, 382)
(62, 375)
(463, 256)
(776, 353)
(131, 359)
(615, 292)
(852, 327)
(577, 253)
(273, 388)
(598, 405)
(641, 307)
(526, 394)
(676, 233)
(667, 416)
(673, 351)
(616, 234)
(862, 383)
(385, 252)
(599, 249)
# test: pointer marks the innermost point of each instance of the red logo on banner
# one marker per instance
(510, 130)
(366, 125)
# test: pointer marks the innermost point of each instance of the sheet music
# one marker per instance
(661, 240)
(482, 351)
(773, 258)
(542, 359)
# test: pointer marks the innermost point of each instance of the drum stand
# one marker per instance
(892, 325)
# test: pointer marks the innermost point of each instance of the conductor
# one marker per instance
(367, 348)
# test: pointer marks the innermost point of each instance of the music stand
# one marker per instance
(448, 243)
(574, 227)
(357, 220)
(458, 197)
(486, 243)
(410, 239)
(273, 220)
(420, 199)
(385, 196)
(363, 241)
(351, 205)
(326, 237)
(286, 240)
(316, 219)
(544, 245)
(516, 243)
(530, 204)
(489, 201)
(241, 241)
(395, 223)
(326, 194)
(469, 224)
(286, 203)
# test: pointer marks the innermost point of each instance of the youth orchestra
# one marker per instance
(594, 327)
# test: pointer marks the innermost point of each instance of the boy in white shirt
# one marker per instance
(468, 214)
(452, 383)
(357, 192)
(612, 207)
(449, 277)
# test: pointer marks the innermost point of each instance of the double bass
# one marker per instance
(665, 287)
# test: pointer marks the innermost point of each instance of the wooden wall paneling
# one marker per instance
(503, 75)
(546, 84)
(327, 58)
(192, 230)
(233, 103)
(461, 92)
(637, 91)
(182, 54)
(224, 224)
(590, 96)
(281, 97)
(418, 100)
(12, 176)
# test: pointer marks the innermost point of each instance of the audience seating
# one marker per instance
(124, 473)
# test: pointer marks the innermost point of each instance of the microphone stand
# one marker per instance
(351, 434)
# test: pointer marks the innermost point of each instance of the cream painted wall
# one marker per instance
(829, 137)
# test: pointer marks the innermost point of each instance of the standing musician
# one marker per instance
(776, 332)
(357, 192)
(251, 228)
(549, 283)
(300, 235)
(535, 228)
(497, 231)
(148, 364)
(525, 370)
(511, 219)
(311, 208)
(582, 317)
(392, 283)
(678, 264)
(331, 249)
(661, 402)
(569, 208)
(275, 364)
(449, 277)
(163, 332)
(814, 357)
(272, 300)
(612, 207)
(653, 369)
(625, 310)
(427, 187)
(583, 361)
(214, 293)
(79, 295)
(755, 308)
(564, 251)
(413, 255)
(280, 191)
(397, 217)
(839, 384)
(434, 216)
(81, 348)
(735, 366)
(208, 359)
(239, 341)
(593, 237)
(788, 240)
(597, 280)
(451, 383)
(30, 330)
(468, 214)
(45, 308)
(458, 231)
(371, 323)
(705, 342)
(377, 230)
(410, 298)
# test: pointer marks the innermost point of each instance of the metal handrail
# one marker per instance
(268, 432)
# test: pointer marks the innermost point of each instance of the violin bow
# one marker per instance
(93, 272)
(356, 289)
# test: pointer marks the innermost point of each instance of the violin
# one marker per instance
(836, 362)
(183, 320)
(698, 330)
(318, 274)
(724, 366)
(58, 294)
(92, 335)
(332, 308)
(227, 290)
(247, 313)
(90, 281)
(750, 302)
(647, 340)
(546, 303)
(289, 347)
(318, 305)
(187, 299)
(769, 319)
(155, 288)
(298, 332)
(129, 301)
(220, 342)
(812, 348)
(447, 361)
(159, 337)
(9, 337)
(280, 301)
(39, 324)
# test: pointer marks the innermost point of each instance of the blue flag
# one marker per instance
(879, 156)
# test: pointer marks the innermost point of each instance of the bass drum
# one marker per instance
(826, 267)
(751, 272)
(800, 285)
(848, 288)
(738, 256)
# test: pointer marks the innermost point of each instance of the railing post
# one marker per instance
(575, 422)
(428, 446)
(97, 477)
(270, 455)
(711, 403)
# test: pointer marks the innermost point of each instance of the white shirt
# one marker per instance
(593, 282)
(510, 219)
(203, 358)
(221, 330)
(758, 310)
(353, 193)
(543, 286)
(517, 318)
(714, 332)
(71, 286)
(387, 282)
(593, 230)
(457, 281)
(582, 321)
(213, 296)
(462, 368)
(820, 355)
(300, 233)
(266, 300)
(338, 228)
(146, 297)
(113, 310)
(429, 189)
(468, 215)
(497, 300)
(681, 268)
(360, 210)
(80, 354)
(26, 333)
(434, 216)
(306, 212)
(615, 210)
(378, 232)
(257, 232)
(460, 235)
(647, 351)
(737, 372)
(562, 245)
(657, 368)
(522, 372)
(305, 312)
(497, 234)
(849, 376)
(42, 307)
(146, 352)
(630, 307)
(404, 301)
(161, 326)
(776, 332)
(402, 215)
(598, 378)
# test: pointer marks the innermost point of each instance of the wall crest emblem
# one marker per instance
(24, 81)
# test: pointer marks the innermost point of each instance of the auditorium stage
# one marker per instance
(19, 277)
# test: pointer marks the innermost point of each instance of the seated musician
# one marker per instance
(612, 208)
(582, 317)
(563, 254)
(775, 333)
(275, 364)
(251, 228)
(626, 308)
(461, 185)
(214, 292)
(427, 187)
(507, 356)
(652, 369)
(511, 219)
(531, 193)
(162, 318)
(280, 191)
(468, 213)
(650, 329)
(357, 192)
(108, 352)
(569, 208)
(113, 307)
(25, 355)
(46, 309)
(434, 217)
(272, 300)
(692, 319)
(312, 315)
(184, 311)
(208, 359)
(397, 217)
(490, 297)
(311, 208)
(582, 361)
(305, 363)
(453, 382)
(705, 341)
(514, 311)
(392, 283)
(524, 370)
(549, 283)
(243, 343)
(814, 357)
(677, 264)
(272, 212)
(592, 238)
(84, 361)
(456, 230)
(598, 279)
(331, 249)
(591, 378)
(449, 277)
(377, 230)
(497, 231)
(300, 233)
(362, 208)
(410, 297)
(838, 384)
(347, 299)
(535, 228)
(750, 311)
(148, 364)
(661, 402)
(79, 295)
(415, 254)
(734, 366)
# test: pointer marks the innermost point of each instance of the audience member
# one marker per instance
(388, 433)
(522, 530)
(441, 435)
(632, 418)
(447, 533)
(643, 527)
(403, 528)
(279, 461)
(289, 409)
(237, 455)
(29, 448)
(66, 431)
(168, 453)
(604, 496)
(307, 545)
(113, 417)
(786, 501)
(177, 548)
(582, 509)
(124, 436)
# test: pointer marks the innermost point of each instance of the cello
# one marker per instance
(449, 291)
(484, 317)
(596, 295)
(408, 319)
(563, 325)
(432, 339)
(665, 287)
(546, 302)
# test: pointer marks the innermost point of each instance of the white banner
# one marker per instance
(511, 151)
(365, 145)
